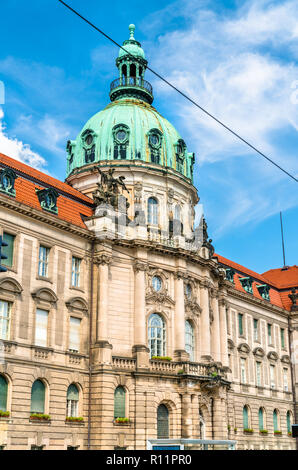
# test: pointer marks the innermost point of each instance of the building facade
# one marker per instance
(118, 322)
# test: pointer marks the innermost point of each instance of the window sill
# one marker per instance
(11, 269)
(75, 423)
(127, 423)
(44, 278)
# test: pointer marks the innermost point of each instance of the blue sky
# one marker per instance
(237, 59)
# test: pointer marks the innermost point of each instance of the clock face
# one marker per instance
(121, 135)
(156, 283)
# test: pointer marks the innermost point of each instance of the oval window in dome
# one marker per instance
(89, 139)
(121, 135)
(154, 139)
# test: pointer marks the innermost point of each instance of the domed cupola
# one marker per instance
(129, 131)
(131, 64)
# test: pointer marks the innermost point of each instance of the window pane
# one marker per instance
(43, 261)
(75, 274)
(162, 422)
(119, 403)
(74, 334)
(261, 419)
(5, 308)
(37, 397)
(245, 417)
(8, 250)
(240, 321)
(41, 328)
(152, 211)
(3, 393)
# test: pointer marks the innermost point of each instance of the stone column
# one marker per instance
(179, 320)
(215, 328)
(223, 332)
(140, 349)
(220, 425)
(205, 321)
(186, 417)
(102, 351)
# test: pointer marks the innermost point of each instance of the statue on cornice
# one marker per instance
(108, 190)
(207, 243)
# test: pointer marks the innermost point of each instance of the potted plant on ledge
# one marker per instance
(161, 358)
(74, 419)
(277, 433)
(39, 417)
(248, 431)
(122, 420)
(4, 414)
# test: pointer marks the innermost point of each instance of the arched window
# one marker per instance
(72, 405)
(245, 418)
(152, 211)
(38, 397)
(178, 212)
(162, 422)
(121, 141)
(119, 403)
(189, 340)
(289, 421)
(261, 419)
(157, 335)
(275, 420)
(3, 393)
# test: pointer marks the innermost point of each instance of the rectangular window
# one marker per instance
(240, 323)
(269, 333)
(282, 337)
(74, 334)
(256, 330)
(41, 328)
(272, 376)
(8, 250)
(75, 272)
(243, 370)
(43, 261)
(258, 374)
(285, 376)
(5, 308)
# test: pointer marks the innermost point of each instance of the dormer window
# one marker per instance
(7, 180)
(230, 274)
(264, 291)
(246, 283)
(121, 141)
(88, 140)
(48, 199)
(180, 149)
(155, 141)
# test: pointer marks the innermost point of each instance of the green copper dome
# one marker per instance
(129, 128)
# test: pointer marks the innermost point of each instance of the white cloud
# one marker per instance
(18, 150)
(232, 65)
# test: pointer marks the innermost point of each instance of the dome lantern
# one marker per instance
(131, 64)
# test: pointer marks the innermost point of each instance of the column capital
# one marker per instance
(180, 275)
(223, 302)
(102, 258)
(214, 293)
(205, 283)
(140, 266)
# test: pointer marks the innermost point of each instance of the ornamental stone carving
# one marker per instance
(102, 259)
(244, 348)
(140, 266)
(259, 352)
(272, 355)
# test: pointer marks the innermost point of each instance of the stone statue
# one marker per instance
(108, 190)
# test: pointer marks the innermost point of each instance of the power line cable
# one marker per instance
(182, 94)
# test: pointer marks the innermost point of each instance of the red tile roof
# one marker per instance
(283, 277)
(280, 299)
(71, 203)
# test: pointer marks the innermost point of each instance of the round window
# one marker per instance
(188, 291)
(154, 139)
(156, 283)
(89, 139)
(121, 135)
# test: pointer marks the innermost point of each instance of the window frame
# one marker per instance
(75, 272)
(8, 320)
(190, 334)
(152, 214)
(5, 248)
(163, 339)
(42, 262)
(46, 329)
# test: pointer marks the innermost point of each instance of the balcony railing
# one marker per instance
(131, 81)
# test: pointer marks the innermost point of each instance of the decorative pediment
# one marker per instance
(286, 359)
(231, 344)
(159, 297)
(272, 356)
(244, 348)
(10, 285)
(259, 352)
(78, 304)
(193, 306)
(45, 295)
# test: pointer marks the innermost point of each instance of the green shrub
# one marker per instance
(121, 420)
(161, 358)
(40, 417)
(74, 418)
(4, 414)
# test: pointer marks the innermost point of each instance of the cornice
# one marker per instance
(249, 298)
(42, 217)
